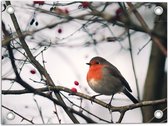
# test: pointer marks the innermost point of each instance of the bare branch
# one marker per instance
(122, 113)
(40, 111)
(23, 118)
(60, 88)
(37, 64)
(145, 26)
(133, 64)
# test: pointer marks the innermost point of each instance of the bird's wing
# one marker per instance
(115, 72)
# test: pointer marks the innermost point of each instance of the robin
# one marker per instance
(105, 79)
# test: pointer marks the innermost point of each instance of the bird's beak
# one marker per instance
(88, 64)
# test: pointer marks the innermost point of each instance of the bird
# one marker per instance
(105, 79)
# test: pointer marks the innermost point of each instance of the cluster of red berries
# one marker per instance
(118, 13)
(84, 5)
(39, 2)
(74, 90)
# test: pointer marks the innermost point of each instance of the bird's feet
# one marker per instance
(93, 97)
(109, 106)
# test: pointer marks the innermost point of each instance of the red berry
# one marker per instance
(33, 71)
(59, 30)
(38, 2)
(74, 90)
(85, 4)
(119, 11)
(76, 83)
(66, 11)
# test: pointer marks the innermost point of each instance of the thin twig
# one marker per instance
(133, 65)
(38, 65)
(19, 80)
(56, 113)
(61, 88)
(122, 113)
(23, 118)
(143, 47)
(146, 28)
(89, 120)
(80, 107)
(40, 112)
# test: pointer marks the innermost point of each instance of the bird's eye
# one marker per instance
(94, 62)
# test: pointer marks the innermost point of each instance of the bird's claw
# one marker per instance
(92, 98)
(109, 106)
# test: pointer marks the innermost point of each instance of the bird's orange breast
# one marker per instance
(95, 72)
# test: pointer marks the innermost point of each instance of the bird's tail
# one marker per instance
(130, 96)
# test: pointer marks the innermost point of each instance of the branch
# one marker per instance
(56, 113)
(23, 118)
(24, 34)
(83, 109)
(133, 64)
(145, 26)
(105, 16)
(122, 113)
(40, 111)
(19, 80)
(38, 91)
(38, 65)
(132, 25)
(32, 90)
(121, 109)
(61, 88)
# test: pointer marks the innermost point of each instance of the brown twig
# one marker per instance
(56, 89)
(37, 64)
(61, 88)
(143, 47)
(83, 109)
(23, 118)
(122, 113)
(133, 64)
(89, 120)
(19, 80)
(133, 68)
(56, 113)
(24, 34)
(146, 28)
(40, 111)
